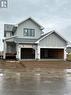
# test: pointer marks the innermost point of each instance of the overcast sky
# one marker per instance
(52, 14)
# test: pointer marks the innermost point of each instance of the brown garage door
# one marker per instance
(51, 53)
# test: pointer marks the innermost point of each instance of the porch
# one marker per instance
(10, 50)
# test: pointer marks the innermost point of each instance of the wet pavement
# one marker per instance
(36, 81)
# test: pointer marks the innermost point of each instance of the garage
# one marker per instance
(27, 53)
(46, 53)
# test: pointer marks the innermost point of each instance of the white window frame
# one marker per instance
(29, 32)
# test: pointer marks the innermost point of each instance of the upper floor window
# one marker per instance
(29, 32)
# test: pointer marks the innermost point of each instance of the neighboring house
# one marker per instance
(27, 41)
(68, 49)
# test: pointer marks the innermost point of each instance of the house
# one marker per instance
(26, 40)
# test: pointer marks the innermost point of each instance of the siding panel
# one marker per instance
(52, 40)
(31, 25)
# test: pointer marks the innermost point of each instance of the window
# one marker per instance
(29, 32)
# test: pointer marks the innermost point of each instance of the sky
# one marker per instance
(51, 14)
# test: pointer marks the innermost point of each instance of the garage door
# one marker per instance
(27, 53)
(51, 53)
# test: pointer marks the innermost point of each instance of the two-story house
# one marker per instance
(26, 40)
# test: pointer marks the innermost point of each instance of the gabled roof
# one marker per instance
(30, 18)
(47, 34)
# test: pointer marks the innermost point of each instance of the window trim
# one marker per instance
(28, 32)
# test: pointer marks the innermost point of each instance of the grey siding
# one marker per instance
(28, 24)
(9, 30)
(53, 40)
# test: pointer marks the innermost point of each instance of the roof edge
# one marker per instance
(47, 34)
(33, 21)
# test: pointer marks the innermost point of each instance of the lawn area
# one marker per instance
(34, 64)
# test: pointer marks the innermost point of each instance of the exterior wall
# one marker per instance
(52, 40)
(28, 24)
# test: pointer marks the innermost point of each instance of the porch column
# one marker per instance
(38, 52)
(18, 56)
(19, 51)
(5, 46)
(65, 54)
